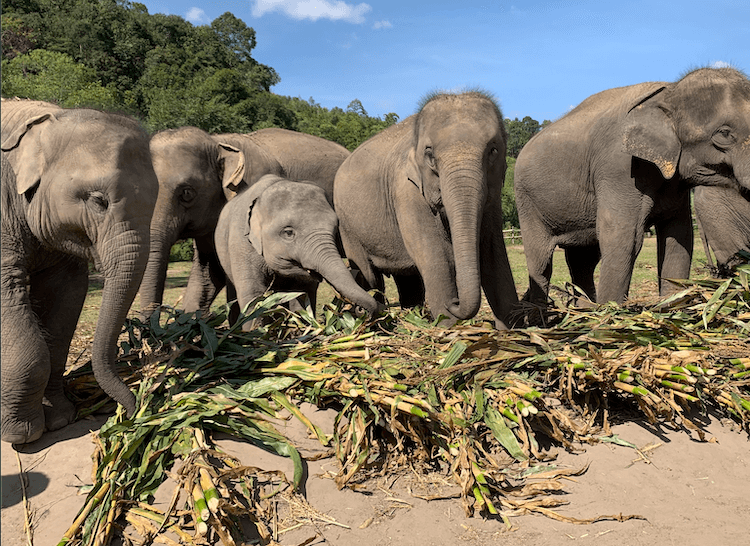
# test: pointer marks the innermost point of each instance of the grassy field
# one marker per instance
(643, 283)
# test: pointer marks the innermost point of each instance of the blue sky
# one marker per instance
(538, 58)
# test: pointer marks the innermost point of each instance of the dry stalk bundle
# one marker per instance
(469, 402)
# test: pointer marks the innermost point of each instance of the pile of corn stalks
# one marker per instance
(468, 402)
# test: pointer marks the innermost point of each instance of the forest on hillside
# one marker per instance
(167, 72)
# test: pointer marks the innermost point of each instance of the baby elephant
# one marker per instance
(281, 235)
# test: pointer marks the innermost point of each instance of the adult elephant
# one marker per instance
(723, 216)
(422, 201)
(622, 161)
(77, 186)
(198, 173)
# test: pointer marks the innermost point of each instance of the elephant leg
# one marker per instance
(674, 241)
(57, 296)
(582, 261)
(539, 264)
(411, 291)
(25, 362)
(207, 277)
(234, 306)
(248, 284)
(539, 249)
(620, 241)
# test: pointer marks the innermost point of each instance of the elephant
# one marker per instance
(78, 186)
(281, 234)
(622, 161)
(421, 201)
(723, 216)
(198, 173)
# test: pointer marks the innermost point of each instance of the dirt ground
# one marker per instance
(689, 493)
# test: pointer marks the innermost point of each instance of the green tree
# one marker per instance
(520, 132)
(510, 212)
(17, 37)
(55, 77)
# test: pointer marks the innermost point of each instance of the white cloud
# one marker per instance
(720, 64)
(196, 15)
(313, 9)
(382, 24)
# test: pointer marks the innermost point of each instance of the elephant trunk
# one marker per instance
(155, 276)
(122, 258)
(463, 189)
(326, 260)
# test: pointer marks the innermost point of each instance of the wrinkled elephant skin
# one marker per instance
(281, 234)
(622, 161)
(77, 186)
(422, 201)
(198, 173)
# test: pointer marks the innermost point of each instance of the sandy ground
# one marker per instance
(690, 493)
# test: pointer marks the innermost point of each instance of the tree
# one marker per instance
(55, 77)
(520, 132)
(17, 37)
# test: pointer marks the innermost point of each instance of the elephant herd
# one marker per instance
(420, 201)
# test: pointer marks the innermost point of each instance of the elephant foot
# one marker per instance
(23, 431)
(58, 412)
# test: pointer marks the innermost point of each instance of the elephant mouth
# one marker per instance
(314, 275)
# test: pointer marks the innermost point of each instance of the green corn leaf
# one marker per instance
(496, 423)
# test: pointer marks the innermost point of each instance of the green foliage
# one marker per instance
(113, 54)
(55, 77)
(17, 37)
(182, 251)
(349, 128)
(510, 212)
(520, 132)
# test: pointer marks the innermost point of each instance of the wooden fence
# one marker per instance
(512, 236)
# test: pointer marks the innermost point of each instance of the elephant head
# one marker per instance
(698, 128)
(293, 227)
(194, 172)
(85, 182)
(457, 161)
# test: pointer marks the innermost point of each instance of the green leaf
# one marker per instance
(503, 434)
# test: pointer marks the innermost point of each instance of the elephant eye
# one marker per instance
(287, 233)
(187, 194)
(723, 137)
(430, 158)
(98, 200)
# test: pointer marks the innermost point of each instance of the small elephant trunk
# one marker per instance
(155, 276)
(123, 257)
(328, 262)
(463, 198)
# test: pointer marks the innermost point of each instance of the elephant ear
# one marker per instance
(29, 164)
(649, 134)
(233, 164)
(253, 226)
(412, 171)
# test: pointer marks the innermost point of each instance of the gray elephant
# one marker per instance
(281, 235)
(198, 174)
(723, 216)
(422, 201)
(77, 186)
(622, 161)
